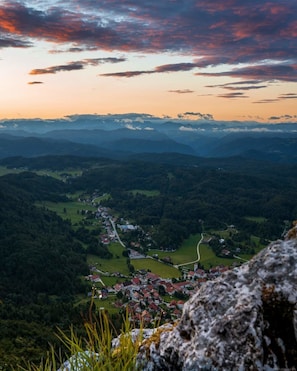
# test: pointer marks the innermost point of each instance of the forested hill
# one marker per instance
(41, 265)
(35, 244)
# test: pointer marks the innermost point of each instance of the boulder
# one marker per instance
(244, 320)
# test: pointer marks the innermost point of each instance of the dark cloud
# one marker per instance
(283, 117)
(195, 115)
(54, 69)
(239, 85)
(181, 91)
(279, 98)
(75, 65)
(253, 32)
(252, 87)
(233, 95)
(74, 49)
(174, 67)
(265, 72)
(265, 101)
(9, 42)
(35, 82)
(288, 96)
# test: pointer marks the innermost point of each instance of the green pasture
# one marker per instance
(161, 269)
(4, 170)
(186, 253)
(117, 264)
(69, 210)
(107, 303)
(208, 258)
(111, 281)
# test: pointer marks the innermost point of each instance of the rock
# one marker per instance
(244, 320)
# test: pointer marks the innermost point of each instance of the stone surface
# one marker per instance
(244, 320)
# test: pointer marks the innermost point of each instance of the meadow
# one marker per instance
(161, 269)
(118, 263)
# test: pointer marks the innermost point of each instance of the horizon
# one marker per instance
(226, 61)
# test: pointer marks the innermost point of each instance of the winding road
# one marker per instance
(198, 254)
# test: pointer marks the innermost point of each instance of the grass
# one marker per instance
(187, 252)
(117, 264)
(106, 304)
(4, 170)
(111, 281)
(69, 210)
(95, 351)
(161, 269)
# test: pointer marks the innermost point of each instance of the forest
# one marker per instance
(43, 257)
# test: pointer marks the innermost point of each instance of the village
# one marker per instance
(146, 296)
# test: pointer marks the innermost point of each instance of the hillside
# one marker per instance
(41, 265)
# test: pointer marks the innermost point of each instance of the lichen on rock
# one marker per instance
(243, 320)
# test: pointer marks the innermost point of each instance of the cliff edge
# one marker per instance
(244, 320)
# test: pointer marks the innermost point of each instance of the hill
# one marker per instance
(41, 266)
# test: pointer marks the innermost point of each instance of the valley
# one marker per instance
(123, 235)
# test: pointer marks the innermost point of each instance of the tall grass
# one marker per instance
(98, 350)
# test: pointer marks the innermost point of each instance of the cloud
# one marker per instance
(195, 116)
(279, 98)
(35, 82)
(240, 85)
(131, 127)
(282, 71)
(233, 95)
(268, 100)
(190, 129)
(288, 96)
(54, 69)
(9, 42)
(174, 67)
(230, 33)
(79, 65)
(282, 117)
(181, 91)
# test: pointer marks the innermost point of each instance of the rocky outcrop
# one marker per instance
(244, 320)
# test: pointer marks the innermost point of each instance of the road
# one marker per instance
(116, 232)
(198, 254)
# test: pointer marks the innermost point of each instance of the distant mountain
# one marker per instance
(119, 136)
(32, 147)
(259, 147)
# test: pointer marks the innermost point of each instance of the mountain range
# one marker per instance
(122, 136)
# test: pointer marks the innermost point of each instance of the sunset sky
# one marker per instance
(222, 59)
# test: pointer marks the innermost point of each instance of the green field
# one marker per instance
(69, 210)
(107, 303)
(4, 170)
(117, 264)
(162, 270)
(187, 252)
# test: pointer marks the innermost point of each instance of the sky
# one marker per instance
(223, 60)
